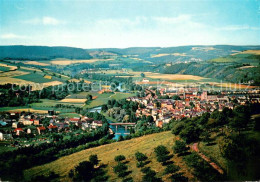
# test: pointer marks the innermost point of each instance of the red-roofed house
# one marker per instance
(18, 131)
(41, 129)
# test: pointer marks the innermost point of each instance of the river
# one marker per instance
(120, 129)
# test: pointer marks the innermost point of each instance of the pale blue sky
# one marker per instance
(129, 23)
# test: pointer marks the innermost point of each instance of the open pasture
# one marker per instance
(36, 63)
(168, 54)
(173, 77)
(68, 61)
(256, 52)
(13, 73)
(73, 100)
(107, 153)
(231, 85)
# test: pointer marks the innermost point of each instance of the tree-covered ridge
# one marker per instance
(42, 52)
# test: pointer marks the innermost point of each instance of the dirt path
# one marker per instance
(214, 165)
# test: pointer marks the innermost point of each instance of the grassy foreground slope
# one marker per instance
(106, 154)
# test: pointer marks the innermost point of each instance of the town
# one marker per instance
(163, 104)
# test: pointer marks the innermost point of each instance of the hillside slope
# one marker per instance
(42, 52)
(106, 154)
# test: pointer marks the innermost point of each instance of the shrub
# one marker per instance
(93, 159)
(171, 168)
(120, 167)
(119, 158)
(161, 153)
(140, 157)
(180, 147)
(178, 177)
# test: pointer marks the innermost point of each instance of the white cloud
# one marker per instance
(12, 36)
(173, 20)
(44, 21)
(50, 21)
(238, 27)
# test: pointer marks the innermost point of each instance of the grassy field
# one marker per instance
(69, 115)
(106, 154)
(100, 98)
(35, 77)
(256, 52)
(231, 85)
(173, 54)
(4, 68)
(68, 62)
(36, 63)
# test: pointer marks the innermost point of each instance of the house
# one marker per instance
(159, 123)
(18, 131)
(145, 80)
(74, 120)
(1, 136)
(41, 129)
(96, 124)
(52, 127)
(36, 122)
(14, 124)
(85, 126)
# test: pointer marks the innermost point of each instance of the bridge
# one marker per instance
(123, 124)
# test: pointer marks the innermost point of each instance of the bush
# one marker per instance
(177, 128)
(171, 168)
(140, 157)
(119, 158)
(178, 177)
(93, 159)
(84, 171)
(180, 147)
(120, 167)
(161, 153)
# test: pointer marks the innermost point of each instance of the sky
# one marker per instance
(129, 23)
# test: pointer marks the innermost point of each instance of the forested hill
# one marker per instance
(42, 52)
(180, 53)
(155, 55)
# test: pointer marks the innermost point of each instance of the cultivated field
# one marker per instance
(36, 63)
(173, 54)
(73, 100)
(174, 76)
(231, 85)
(77, 80)
(5, 80)
(257, 52)
(30, 110)
(245, 67)
(5, 67)
(13, 73)
(106, 154)
(68, 62)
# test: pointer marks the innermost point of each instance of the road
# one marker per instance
(195, 148)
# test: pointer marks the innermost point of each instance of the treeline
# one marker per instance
(15, 95)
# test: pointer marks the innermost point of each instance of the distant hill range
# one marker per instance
(181, 53)
(42, 52)
(152, 54)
